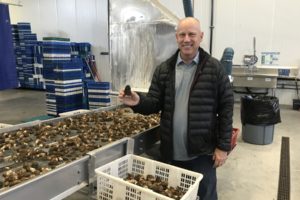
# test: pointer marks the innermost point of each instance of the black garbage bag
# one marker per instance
(260, 110)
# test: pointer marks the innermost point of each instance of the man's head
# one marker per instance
(188, 36)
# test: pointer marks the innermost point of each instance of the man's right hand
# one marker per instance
(129, 100)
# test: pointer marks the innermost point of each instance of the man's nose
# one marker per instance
(186, 38)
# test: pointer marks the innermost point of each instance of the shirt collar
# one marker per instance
(180, 61)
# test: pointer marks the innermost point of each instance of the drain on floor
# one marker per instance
(284, 173)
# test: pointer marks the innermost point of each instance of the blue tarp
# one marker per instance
(8, 74)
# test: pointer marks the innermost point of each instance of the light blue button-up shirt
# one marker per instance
(184, 77)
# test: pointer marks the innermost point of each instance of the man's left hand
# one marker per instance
(219, 157)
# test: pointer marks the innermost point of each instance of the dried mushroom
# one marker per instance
(38, 149)
(157, 185)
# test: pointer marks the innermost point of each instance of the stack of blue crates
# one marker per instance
(38, 65)
(63, 76)
(98, 94)
(25, 43)
(82, 50)
(19, 51)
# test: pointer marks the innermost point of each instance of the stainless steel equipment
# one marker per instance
(142, 35)
(256, 77)
(251, 60)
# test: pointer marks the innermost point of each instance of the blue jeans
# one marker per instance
(204, 165)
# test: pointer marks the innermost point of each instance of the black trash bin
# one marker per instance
(259, 115)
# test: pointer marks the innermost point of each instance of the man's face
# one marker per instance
(188, 36)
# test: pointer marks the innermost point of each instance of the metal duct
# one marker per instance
(188, 8)
(142, 35)
(226, 59)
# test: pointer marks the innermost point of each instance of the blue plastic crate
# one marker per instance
(98, 85)
(70, 85)
(284, 72)
(47, 51)
(104, 100)
(84, 48)
(72, 99)
(24, 27)
(55, 44)
(30, 36)
(68, 75)
(57, 59)
(69, 66)
(68, 91)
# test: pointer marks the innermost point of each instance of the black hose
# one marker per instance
(188, 8)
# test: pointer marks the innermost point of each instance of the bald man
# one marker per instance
(196, 102)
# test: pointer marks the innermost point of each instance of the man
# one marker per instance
(196, 102)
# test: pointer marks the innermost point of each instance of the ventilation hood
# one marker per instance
(142, 35)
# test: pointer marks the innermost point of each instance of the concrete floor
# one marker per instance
(251, 171)
(17, 106)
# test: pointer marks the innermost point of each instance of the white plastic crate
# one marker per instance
(111, 183)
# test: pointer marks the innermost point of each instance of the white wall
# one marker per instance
(274, 23)
(79, 20)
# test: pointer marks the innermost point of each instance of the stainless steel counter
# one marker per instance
(254, 77)
(259, 76)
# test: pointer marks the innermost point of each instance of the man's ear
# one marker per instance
(201, 35)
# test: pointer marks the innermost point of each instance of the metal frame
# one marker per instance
(60, 182)
(63, 181)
